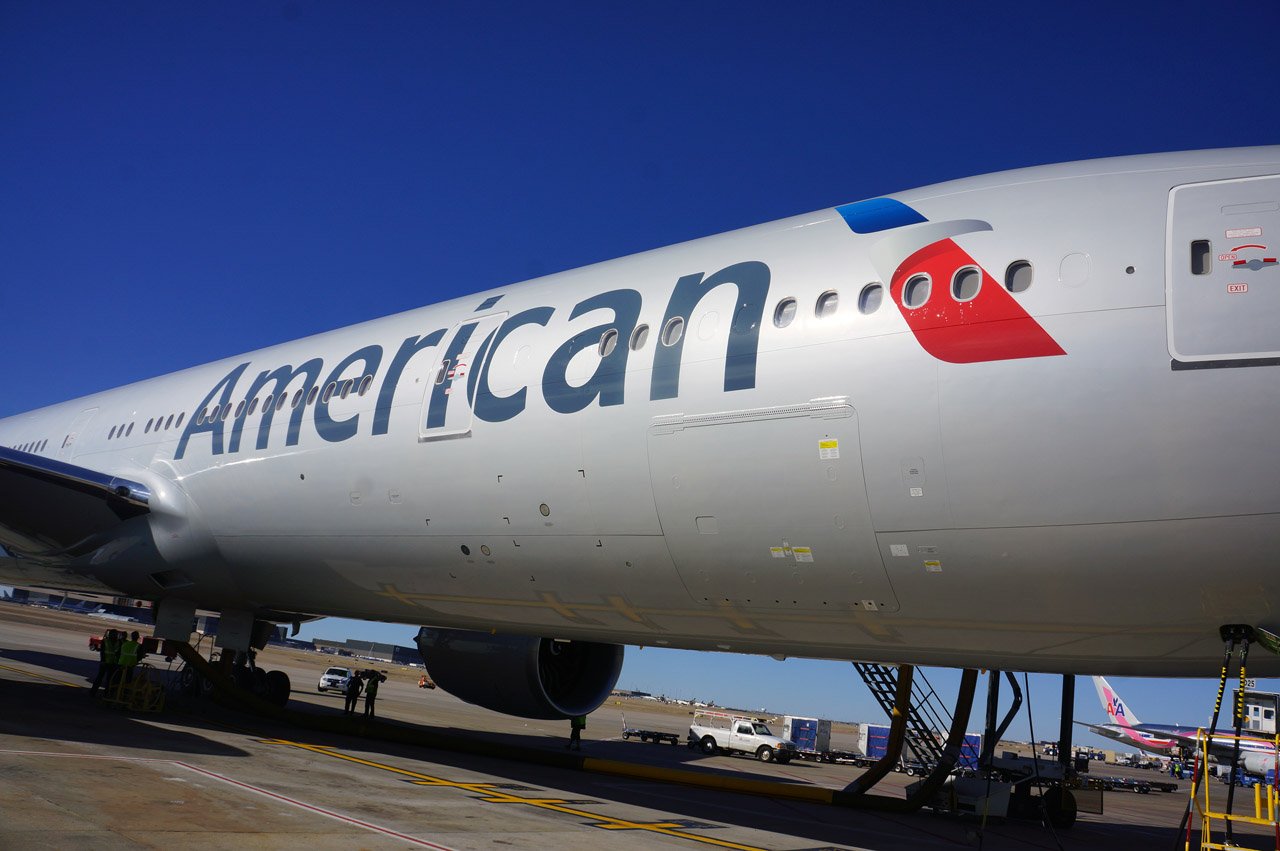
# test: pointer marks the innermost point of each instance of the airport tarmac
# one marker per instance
(78, 774)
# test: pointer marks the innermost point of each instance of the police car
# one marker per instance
(334, 679)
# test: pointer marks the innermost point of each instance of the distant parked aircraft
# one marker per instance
(1257, 755)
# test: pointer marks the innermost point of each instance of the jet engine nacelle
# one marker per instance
(521, 675)
(1258, 764)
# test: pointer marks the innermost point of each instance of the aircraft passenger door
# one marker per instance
(1222, 275)
(446, 410)
(767, 509)
(81, 422)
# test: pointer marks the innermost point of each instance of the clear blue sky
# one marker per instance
(180, 182)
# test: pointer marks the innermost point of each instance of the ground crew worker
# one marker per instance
(130, 650)
(108, 660)
(371, 693)
(353, 694)
(577, 724)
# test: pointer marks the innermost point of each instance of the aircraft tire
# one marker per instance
(278, 687)
(190, 681)
(243, 678)
(258, 682)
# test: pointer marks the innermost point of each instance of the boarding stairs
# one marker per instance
(927, 718)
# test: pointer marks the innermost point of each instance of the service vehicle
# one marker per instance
(716, 732)
(334, 679)
(655, 736)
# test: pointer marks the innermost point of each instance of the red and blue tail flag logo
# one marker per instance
(988, 326)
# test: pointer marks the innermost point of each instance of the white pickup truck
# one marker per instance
(716, 732)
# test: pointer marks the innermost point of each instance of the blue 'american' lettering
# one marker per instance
(605, 387)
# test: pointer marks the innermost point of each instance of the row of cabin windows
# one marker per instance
(153, 424)
(163, 423)
(31, 446)
(966, 283)
(248, 407)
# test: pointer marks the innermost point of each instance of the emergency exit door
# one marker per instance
(1222, 276)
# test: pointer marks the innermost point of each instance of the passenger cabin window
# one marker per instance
(608, 342)
(253, 406)
(916, 292)
(1017, 277)
(744, 320)
(311, 397)
(297, 398)
(365, 383)
(965, 283)
(147, 430)
(639, 337)
(673, 330)
(827, 303)
(869, 299)
(346, 387)
(170, 420)
(784, 313)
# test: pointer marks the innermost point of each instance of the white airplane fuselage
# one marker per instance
(1078, 475)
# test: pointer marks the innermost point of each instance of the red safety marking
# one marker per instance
(1243, 247)
(992, 326)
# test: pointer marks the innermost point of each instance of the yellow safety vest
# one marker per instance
(111, 651)
(129, 653)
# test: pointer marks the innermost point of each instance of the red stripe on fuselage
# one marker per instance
(991, 326)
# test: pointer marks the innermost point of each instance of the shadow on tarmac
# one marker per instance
(56, 712)
(820, 824)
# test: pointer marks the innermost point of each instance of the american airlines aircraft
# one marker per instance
(1257, 754)
(1023, 421)
(1125, 727)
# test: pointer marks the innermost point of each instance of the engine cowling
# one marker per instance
(521, 675)
(1258, 763)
